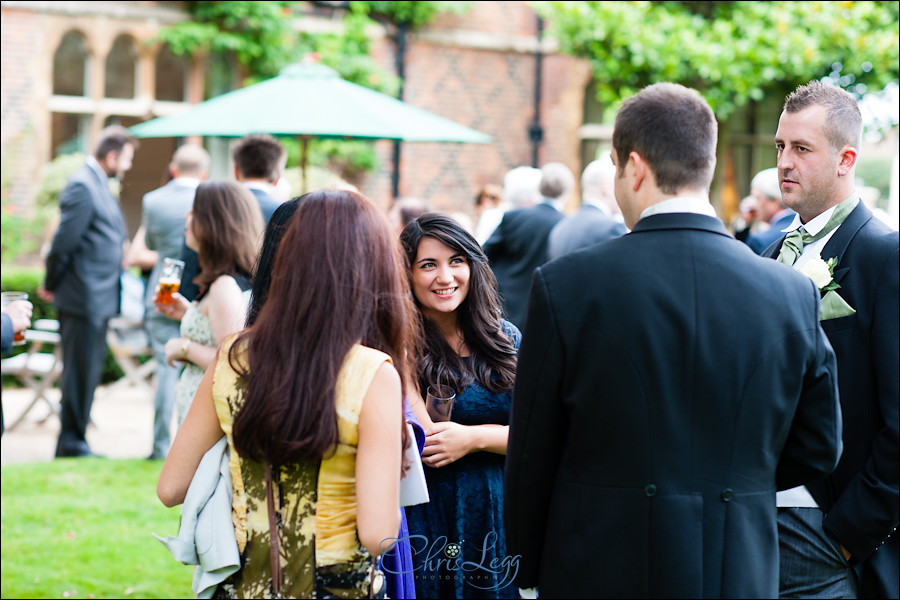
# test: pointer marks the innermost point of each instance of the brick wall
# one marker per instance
(21, 40)
(479, 70)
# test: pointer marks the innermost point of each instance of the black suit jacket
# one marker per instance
(645, 444)
(861, 497)
(85, 261)
(516, 248)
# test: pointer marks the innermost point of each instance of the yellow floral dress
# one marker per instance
(321, 556)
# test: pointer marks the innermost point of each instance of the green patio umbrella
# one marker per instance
(309, 100)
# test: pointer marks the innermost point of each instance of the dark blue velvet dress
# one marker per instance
(457, 539)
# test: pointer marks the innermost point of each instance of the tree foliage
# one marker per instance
(732, 52)
(261, 37)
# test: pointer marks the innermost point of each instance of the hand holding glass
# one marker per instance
(169, 280)
(7, 299)
(439, 402)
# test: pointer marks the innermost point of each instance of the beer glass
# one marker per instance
(439, 402)
(7, 299)
(169, 280)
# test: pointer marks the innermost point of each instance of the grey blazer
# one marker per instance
(163, 212)
(85, 260)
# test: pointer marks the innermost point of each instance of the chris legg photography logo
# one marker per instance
(443, 559)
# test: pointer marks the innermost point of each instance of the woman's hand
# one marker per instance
(176, 309)
(447, 442)
(173, 350)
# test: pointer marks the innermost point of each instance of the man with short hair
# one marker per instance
(645, 446)
(519, 244)
(83, 279)
(594, 222)
(766, 188)
(838, 536)
(162, 233)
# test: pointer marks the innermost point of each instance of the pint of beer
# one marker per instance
(169, 280)
(7, 299)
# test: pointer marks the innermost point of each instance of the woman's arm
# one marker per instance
(417, 404)
(448, 441)
(198, 433)
(225, 306)
(379, 452)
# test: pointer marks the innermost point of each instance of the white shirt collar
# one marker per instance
(681, 204)
(95, 165)
(191, 182)
(258, 185)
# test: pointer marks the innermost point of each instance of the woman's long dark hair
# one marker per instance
(227, 224)
(338, 280)
(262, 277)
(493, 355)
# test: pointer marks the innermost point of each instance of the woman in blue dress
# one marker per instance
(457, 539)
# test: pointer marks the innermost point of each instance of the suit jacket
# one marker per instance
(516, 248)
(758, 242)
(589, 226)
(85, 260)
(645, 445)
(7, 334)
(861, 497)
(163, 211)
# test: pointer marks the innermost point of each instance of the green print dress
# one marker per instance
(321, 555)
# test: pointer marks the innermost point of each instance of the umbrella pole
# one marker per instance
(304, 146)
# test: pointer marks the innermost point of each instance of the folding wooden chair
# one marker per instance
(128, 340)
(39, 367)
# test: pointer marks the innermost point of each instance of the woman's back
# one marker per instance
(315, 501)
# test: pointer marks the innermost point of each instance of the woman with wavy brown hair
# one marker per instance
(224, 229)
(310, 399)
(470, 349)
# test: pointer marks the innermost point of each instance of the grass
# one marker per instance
(80, 528)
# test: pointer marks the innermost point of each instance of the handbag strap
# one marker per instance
(273, 535)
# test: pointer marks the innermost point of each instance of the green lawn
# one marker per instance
(80, 528)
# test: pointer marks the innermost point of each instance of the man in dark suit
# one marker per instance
(83, 279)
(645, 446)
(594, 222)
(766, 188)
(837, 536)
(259, 161)
(519, 244)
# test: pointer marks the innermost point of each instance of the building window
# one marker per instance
(69, 132)
(121, 65)
(69, 71)
(171, 75)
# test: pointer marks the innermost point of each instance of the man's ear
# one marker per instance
(237, 173)
(111, 161)
(848, 159)
(640, 169)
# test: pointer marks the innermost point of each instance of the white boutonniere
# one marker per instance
(821, 272)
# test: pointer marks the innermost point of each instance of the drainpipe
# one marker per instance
(535, 130)
(400, 59)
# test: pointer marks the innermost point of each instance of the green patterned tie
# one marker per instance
(797, 239)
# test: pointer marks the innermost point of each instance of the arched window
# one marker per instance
(171, 75)
(69, 66)
(121, 64)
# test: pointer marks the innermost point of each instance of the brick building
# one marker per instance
(70, 68)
